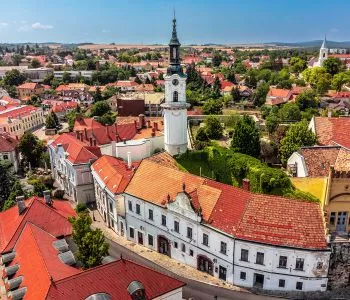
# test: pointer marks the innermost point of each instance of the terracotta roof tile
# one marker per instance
(342, 162)
(7, 143)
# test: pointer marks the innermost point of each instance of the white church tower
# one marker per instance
(323, 53)
(175, 106)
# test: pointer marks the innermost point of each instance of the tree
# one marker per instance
(34, 100)
(66, 77)
(323, 84)
(298, 135)
(7, 180)
(246, 137)
(289, 112)
(333, 65)
(307, 99)
(50, 122)
(109, 91)
(340, 79)
(100, 108)
(217, 59)
(13, 77)
(231, 76)
(235, 93)
(31, 148)
(213, 127)
(107, 118)
(201, 135)
(271, 123)
(216, 88)
(260, 94)
(35, 63)
(213, 107)
(98, 95)
(297, 64)
(16, 191)
(91, 243)
(57, 121)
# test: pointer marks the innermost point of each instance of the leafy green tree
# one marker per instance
(307, 99)
(98, 95)
(231, 76)
(107, 118)
(57, 121)
(7, 180)
(34, 100)
(340, 79)
(50, 122)
(35, 63)
(13, 77)
(31, 149)
(272, 122)
(16, 59)
(260, 94)
(91, 243)
(235, 93)
(16, 191)
(246, 137)
(201, 135)
(66, 77)
(251, 79)
(109, 91)
(216, 88)
(217, 59)
(297, 64)
(213, 127)
(333, 65)
(100, 108)
(323, 84)
(298, 135)
(213, 107)
(289, 112)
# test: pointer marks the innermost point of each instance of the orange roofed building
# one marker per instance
(37, 262)
(278, 96)
(244, 238)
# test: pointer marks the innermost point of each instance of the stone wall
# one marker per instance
(339, 266)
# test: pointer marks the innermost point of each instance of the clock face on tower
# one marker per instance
(175, 82)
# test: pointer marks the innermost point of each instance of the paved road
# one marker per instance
(194, 289)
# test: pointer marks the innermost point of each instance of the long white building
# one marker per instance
(243, 238)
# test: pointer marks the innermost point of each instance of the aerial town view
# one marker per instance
(174, 150)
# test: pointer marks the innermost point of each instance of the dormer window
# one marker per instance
(175, 96)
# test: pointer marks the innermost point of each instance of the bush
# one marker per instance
(213, 127)
(80, 208)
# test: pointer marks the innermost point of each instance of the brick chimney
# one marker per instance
(94, 142)
(246, 184)
(90, 141)
(135, 123)
(85, 133)
(129, 160)
(155, 126)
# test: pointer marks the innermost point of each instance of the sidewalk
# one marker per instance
(163, 260)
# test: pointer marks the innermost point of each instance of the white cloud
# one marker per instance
(38, 25)
(24, 28)
(3, 24)
(105, 31)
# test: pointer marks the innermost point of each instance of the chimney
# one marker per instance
(77, 134)
(20, 204)
(47, 197)
(148, 123)
(142, 121)
(135, 123)
(85, 132)
(90, 141)
(155, 125)
(94, 142)
(129, 160)
(81, 136)
(246, 184)
(329, 114)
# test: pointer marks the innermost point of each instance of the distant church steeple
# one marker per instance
(323, 52)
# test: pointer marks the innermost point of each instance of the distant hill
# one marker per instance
(313, 44)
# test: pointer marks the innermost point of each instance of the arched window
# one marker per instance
(175, 96)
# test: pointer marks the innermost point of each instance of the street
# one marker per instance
(193, 289)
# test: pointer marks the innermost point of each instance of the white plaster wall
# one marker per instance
(297, 159)
(173, 295)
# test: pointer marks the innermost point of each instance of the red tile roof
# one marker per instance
(77, 151)
(7, 143)
(114, 172)
(29, 86)
(284, 222)
(261, 218)
(52, 219)
(333, 130)
(274, 92)
(113, 279)
(318, 160)
(14, 112)
(39, 262)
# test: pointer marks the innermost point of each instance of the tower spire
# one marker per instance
(324, 44)
(174, 40)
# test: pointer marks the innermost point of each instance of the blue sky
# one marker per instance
(149, 21)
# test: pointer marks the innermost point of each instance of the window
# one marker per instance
(332, 218)
(130, 205)
(189, 232)
(259, 258)
(223, 247)
(131, 232)
(299, 285)
(283, 262)
(191, 252)
(183, 248)
(5, 156)
(299, 265)
(176, 226)
(150, 214)
(110, 207)
(243, 276)
(175, 96)
(175, 245)
(244, 254)
(138, 209)
(150, 240)
(205, 239)
(163, 220)
(281, 283)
